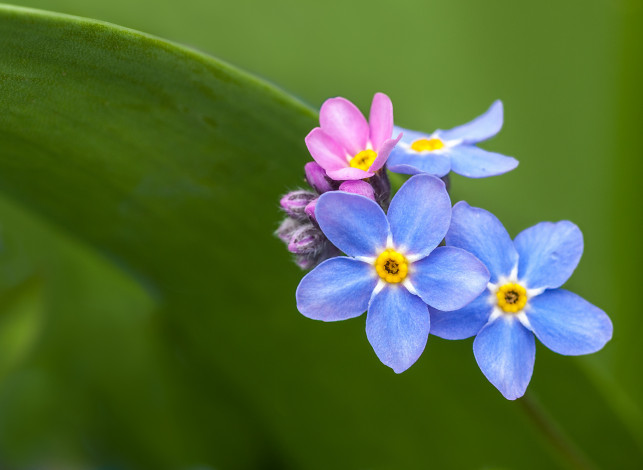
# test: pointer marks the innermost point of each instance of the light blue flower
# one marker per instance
(523, 298)
(393, 268)
(452, 150)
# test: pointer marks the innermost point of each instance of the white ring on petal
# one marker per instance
(409, 286)
(495, 314)
(378, 287)
(522, 318)
(414, 258)
(448, 145)
(534, 292)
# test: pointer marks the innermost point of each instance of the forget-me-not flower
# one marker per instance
(523, 298)
(346, 145)
(393, 268)
(453, 150)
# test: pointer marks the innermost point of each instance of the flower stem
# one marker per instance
(543, 421)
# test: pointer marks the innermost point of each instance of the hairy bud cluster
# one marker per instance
(300, 231)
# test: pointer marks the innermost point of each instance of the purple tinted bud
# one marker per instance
(358, 187)
(324, 250)
(307, 239)
(295, 202)
(287, 228)
(316, 177)
(310, 209)
(304, 262)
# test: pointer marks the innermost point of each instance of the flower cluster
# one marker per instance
(416, 264)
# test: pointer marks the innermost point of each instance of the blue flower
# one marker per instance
(393, 268)
(523, 298)
(453, 150)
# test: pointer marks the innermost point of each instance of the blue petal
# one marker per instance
(481, 128)
(409, 136)
(354, 224)
(337, 289)
(463, 323)
(410, 162)
(473, 162)
(419, 215)
(404, 169)
(449, 278)
(481, 233)
(549, 253)
(568, 324)
(505, 351)
(397, 326)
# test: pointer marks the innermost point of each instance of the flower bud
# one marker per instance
(325, 250)
(287, 228)
(295, 202)
(306, 239)
(358, 187)
(310, 209)
(316, 177)
(305, 262)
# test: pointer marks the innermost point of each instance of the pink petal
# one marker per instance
(384, 152)
(358, 187)
(325, 151)
(381, 119)
(310, 209)
(349, 174)
(341, 119)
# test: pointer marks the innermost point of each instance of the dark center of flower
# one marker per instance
(511, 297)
(392, 267)
(363, 160)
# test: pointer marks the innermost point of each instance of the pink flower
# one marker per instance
(346, 145)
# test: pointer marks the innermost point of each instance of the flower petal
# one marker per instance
(353, 223)
(349, 173)
(568, 324)
(481, 233)
(409, 136)
(337, 289)
(481, 128)
(383, 152)
(317, 178)
(358, 187)
(449, 278)
(473, 162)
(407, 161)
(505, 351)
(341, 119)
(463, 323)
(397, 326)
(325, 151)
(380, 120)
(549, 253)
(419, 215)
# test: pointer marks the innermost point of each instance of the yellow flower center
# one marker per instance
(427, 145)
(512, 297)
(392, 266)
(364, 159)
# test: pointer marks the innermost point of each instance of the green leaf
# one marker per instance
(162, 166)
(21, 319)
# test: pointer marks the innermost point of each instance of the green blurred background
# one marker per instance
(95, 374)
